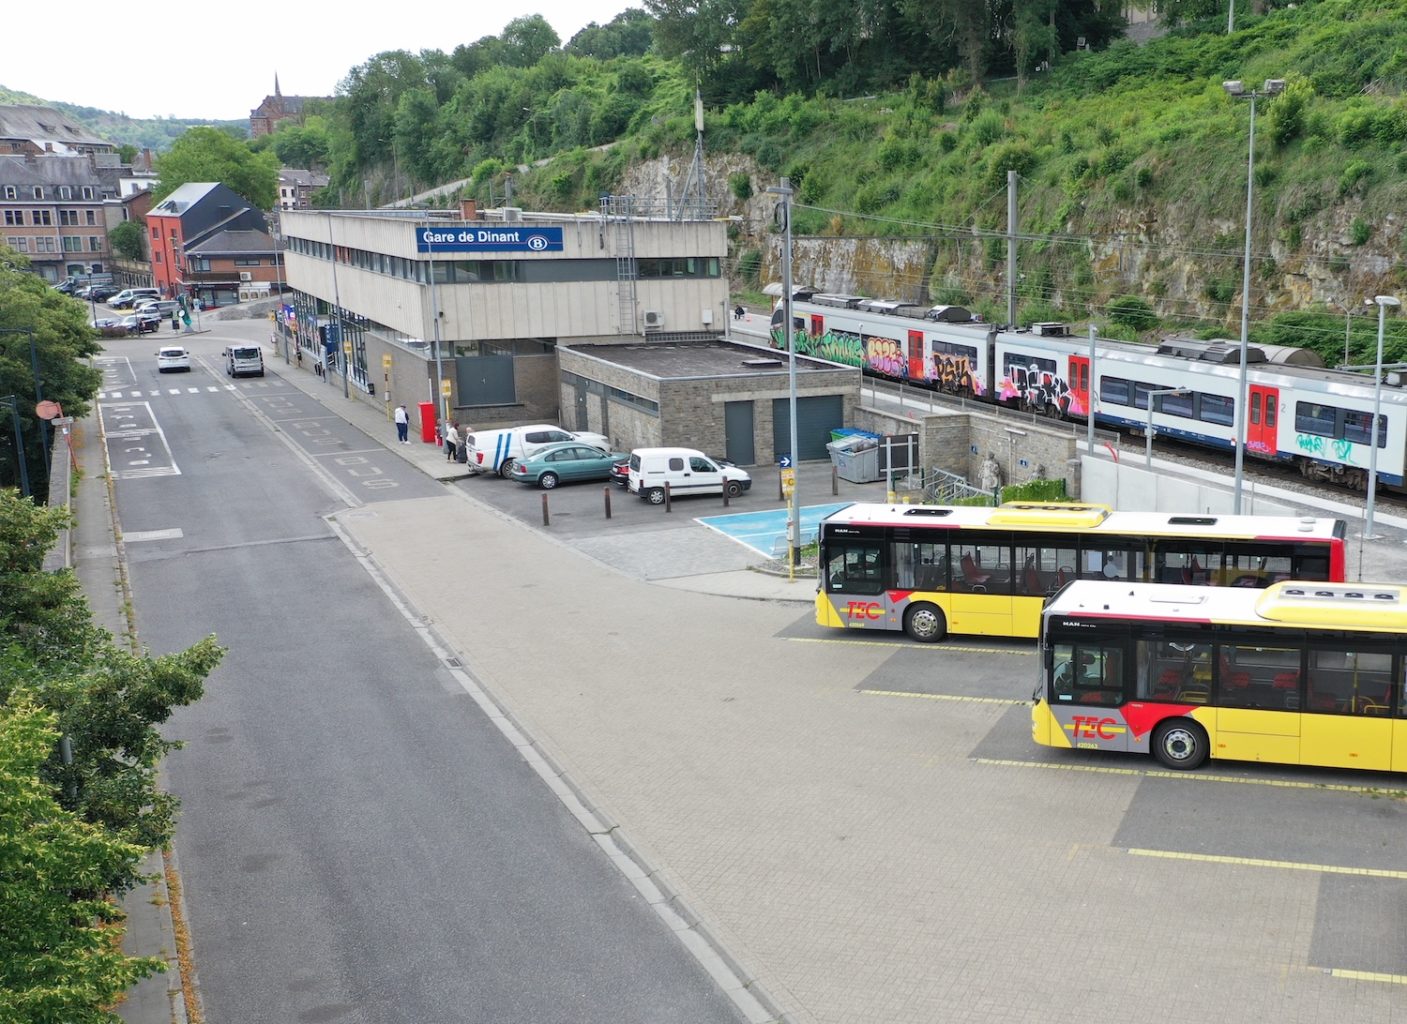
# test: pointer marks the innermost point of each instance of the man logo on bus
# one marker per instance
(1092, 726)
(863, 610)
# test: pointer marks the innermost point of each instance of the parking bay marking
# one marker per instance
(1154, 773)
(931, 648)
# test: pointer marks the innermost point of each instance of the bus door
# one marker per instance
(1399, 721)
(854, 586)
(1086, 691)
(981, 583)
(916, 356)
(1349, 703)
(1264, 408)
(1080, 403)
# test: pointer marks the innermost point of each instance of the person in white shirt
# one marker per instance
(402, 425)
(451, 442)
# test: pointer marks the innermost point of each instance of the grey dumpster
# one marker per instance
(856, 458)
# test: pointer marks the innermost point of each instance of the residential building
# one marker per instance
(212, 215)
(39, 130)
(52, 209)
(296, 188)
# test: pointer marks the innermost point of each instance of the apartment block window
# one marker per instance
(38, 191)
(87, 191)
(156, 257)
(10, 192)
(93, 217)
(46, 244)
(19, 243)
(95, 243)
(155, 232)
(65, 192)
(72, 243)
(14, 218)
(68, 218)
(40, 218)
(249, 263)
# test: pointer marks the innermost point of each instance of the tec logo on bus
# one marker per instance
(864, 610)
(1088, 727)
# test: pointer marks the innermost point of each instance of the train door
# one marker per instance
(916, 356)
(818, 326)
(1264, 410)
(1079, 386)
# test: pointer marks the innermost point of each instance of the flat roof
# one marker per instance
(679, 360)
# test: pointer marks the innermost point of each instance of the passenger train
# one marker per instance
(1300, 412)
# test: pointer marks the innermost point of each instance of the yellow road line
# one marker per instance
(1154, 773)
(1282, 865)
(941, 696)
(934, 648)
(1391, 979)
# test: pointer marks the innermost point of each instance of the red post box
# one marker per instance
(427, 422)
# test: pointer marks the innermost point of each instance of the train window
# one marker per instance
(1217, 409)
(1270, 401)
(1114, 391)
(1355, 427)
(1255, 410)
(1313, 418)
(1176, 405)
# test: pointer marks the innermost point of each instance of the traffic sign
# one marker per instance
(784, 461)
(446, 388)
(386, 361)
(788, 480)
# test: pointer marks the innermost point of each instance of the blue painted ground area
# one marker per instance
(765, 532)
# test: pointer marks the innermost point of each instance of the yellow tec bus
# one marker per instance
(1298, 673)
(934, 569)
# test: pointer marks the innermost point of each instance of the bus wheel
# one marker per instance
(925, 623)
(1180, 743)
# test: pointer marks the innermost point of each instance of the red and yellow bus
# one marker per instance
(1297, 673)
(934, 569)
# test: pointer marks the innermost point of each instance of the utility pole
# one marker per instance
(1011, 249)
(784, 190)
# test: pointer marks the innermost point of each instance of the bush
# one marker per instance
(1036, 490)
(1359, 231)
(750, 266)
(1132, 311)
(741, 185)
(1355, 172)
(987, 127)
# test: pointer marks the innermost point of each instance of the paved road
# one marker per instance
(863, 824)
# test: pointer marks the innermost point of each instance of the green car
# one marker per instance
(563, 463)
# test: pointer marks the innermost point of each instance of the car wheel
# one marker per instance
(505, 468)
(655, 495)
(925, 623)
(734, 488)
(1180, 744)
(547, 481)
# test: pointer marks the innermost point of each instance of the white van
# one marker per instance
(686, 471)
(244, 361)
(495, 451)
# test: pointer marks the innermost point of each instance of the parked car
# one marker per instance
(620, 472)
(495, 451)
(172, 358)
(160, 308)
(686, 471)
(131, 296)
(565, 463)
(140, 323)
(103, 322)
(97, 292)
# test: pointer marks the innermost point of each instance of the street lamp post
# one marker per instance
(1236, 90)
(784, 190)
(1148, 430)
(1383, 302)
(22, 459)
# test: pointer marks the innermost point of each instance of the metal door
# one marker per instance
(916, 355)
(816, 417)
(739, 442)
(1264, 409)
(1080, 385)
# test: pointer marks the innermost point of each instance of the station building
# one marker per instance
(612, 321)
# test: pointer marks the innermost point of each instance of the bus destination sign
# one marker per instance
(498, 238)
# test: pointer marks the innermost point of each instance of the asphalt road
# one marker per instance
(358, 841)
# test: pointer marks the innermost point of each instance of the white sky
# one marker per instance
(159, 58)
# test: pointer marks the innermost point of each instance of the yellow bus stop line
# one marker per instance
(1154, 773)
(1389, 979)
(941, 696)
(933, 648)
(1279, 865)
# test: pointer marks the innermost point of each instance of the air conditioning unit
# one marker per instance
(245, 275)
(654, 320)
(512, 214)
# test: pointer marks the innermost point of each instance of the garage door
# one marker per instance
(815, 419)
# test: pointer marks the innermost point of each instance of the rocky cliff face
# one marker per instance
(1180, 260)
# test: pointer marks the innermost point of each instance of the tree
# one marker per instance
(306, 145)
(628, 34)
(208, 154)
(527, 40)
(62, 344)
(60, 962)
(107, 701)
(127, 153)
(128, 240)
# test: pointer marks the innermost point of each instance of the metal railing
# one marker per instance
(944, 488)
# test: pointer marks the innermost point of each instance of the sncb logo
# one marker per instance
(537, 243)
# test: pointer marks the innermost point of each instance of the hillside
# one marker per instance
(155, 134)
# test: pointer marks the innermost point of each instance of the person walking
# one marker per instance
(451, 442)
(402, 425)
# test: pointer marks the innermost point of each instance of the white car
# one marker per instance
(172, 357)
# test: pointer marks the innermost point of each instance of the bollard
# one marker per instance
(725, 493)
(667, 507)
(781, 495)
(835, 480)
(546, 519)
(606, 494)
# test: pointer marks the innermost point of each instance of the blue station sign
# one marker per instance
(486, 238)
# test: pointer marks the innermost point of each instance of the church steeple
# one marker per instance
(276, 92)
